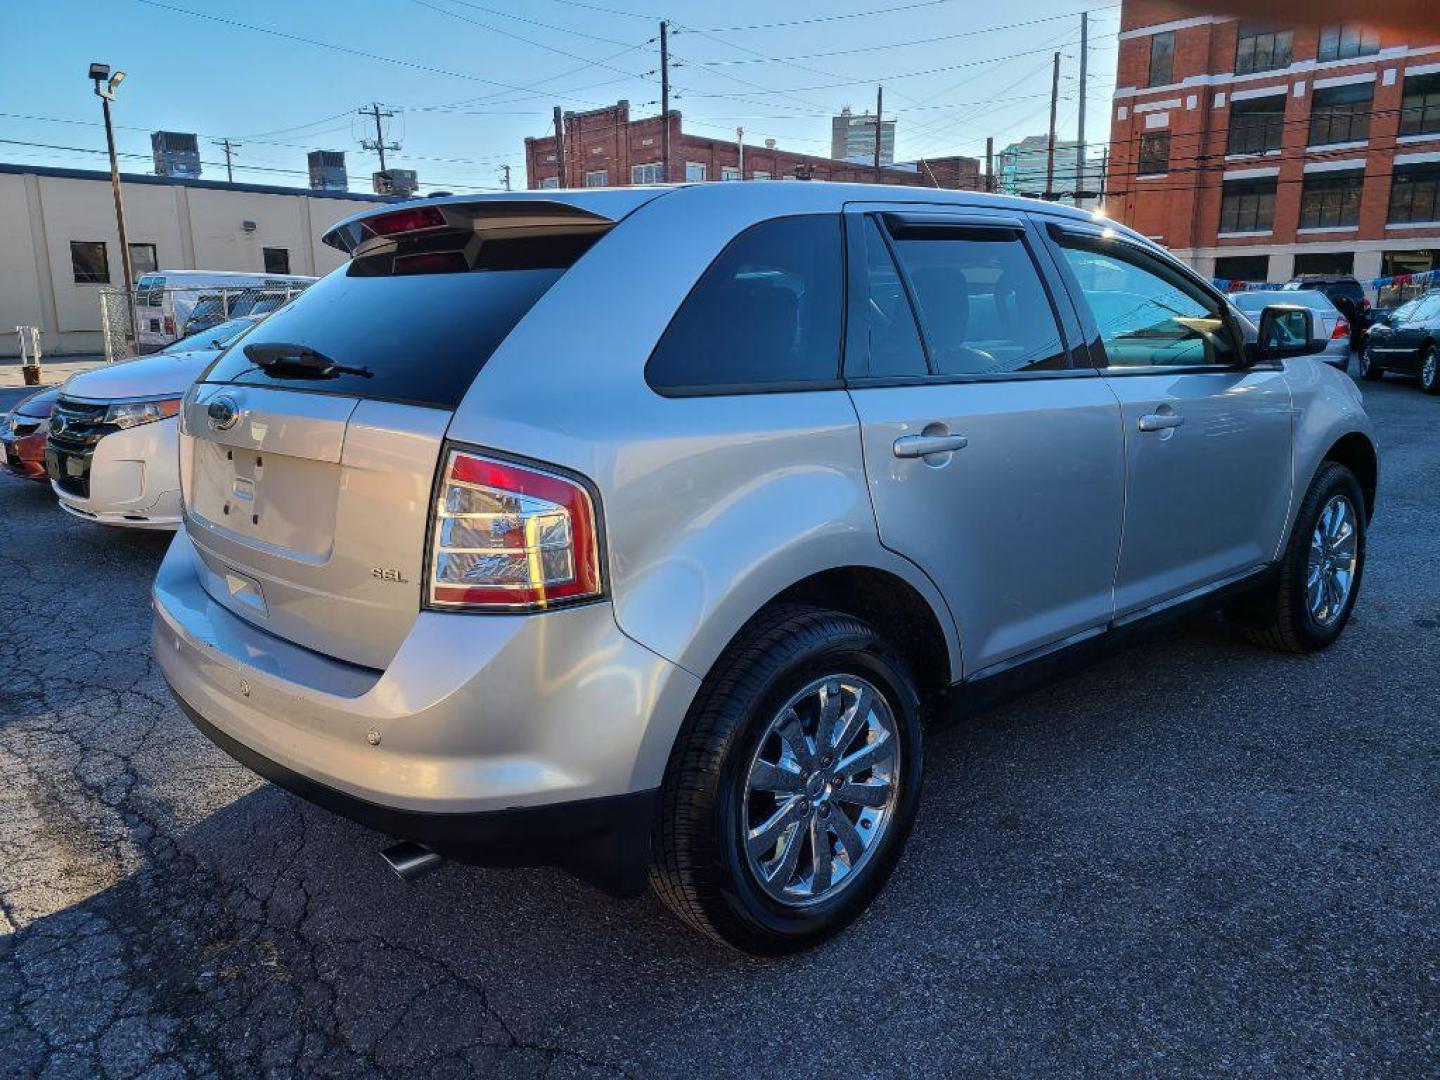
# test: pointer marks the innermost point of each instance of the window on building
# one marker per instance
(651, 173)
(142, 260)
(1256, 125)
(1340, 114)
(1154, 154)
(759, 174)
(1247, 205)
(1415, 193)
(729, 172)
(982, 307)
(549, 182)
(1325, 262)
(90, 262)
(597, 178)
(694, 172)
(1331, 200)
(1148, 314)
(1260, 48)
(1162, 58)
(1420, 108)
(767, 312)
(277, 260)
(1243, 268)
(1347, 40)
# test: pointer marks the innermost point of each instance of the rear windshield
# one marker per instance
(421, 335)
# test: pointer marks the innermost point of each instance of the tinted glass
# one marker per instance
(1162, 57)
(981, 302)
(1148, 315)
(423, 336)
(892, 341)
(766, 313)
(217, 336)
(89, 262)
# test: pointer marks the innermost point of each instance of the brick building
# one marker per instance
(604, 147)
(1257, 152)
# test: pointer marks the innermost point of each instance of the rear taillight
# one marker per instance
(507, 537)
(1342, 329)
(404, 221)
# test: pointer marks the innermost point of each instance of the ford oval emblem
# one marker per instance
(223, 413)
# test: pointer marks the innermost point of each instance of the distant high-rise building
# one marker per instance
(1020, 169)
(852, 137)
(327, 170)
(396, 182)
(177, 153)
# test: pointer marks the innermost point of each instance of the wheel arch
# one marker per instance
(1357, 453)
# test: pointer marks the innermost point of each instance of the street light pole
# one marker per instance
(100, 73)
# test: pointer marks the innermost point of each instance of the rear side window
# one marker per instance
(765, 315)
(982, 305)
(422, 319)
(891, 347)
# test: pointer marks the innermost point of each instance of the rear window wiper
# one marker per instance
(279, 359)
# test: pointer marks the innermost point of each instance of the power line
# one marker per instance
(887, 11)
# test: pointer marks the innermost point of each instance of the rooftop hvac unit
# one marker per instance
(177, 153)
(396, 182)
(327, 170)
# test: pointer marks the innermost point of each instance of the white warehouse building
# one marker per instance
(59, 245)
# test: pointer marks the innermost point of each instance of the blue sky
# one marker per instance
(469, 79)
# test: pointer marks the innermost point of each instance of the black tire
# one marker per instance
(1429, 370)
(1369, 370)
(1279, 617)
(701, 870)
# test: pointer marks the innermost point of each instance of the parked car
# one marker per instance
(1330, 324)
(22, 434)
(1346, 293)
(648, 537)
(166, 301)
(111, 452)
(1407, 343)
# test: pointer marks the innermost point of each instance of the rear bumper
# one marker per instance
(559, 715)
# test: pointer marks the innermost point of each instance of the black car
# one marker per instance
(1346, 293)
(1407, 343)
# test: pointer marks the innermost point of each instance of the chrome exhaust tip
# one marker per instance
(409, 860)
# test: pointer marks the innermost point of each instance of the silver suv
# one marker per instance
(643, 531)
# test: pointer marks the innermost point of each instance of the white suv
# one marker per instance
(641, 530)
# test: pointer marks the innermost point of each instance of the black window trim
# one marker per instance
(739, 389)
(964, 219)
(1059, 233)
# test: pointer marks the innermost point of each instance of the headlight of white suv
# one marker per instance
(128, 414)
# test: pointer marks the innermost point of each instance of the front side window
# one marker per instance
(982, 305)
(89, 262)
(765, 315)
(1247, 205)
(1148, 314)
(1154, 154)
(1347, 40)
(1260, 48)
(1162, 58)
(1420, 108)
(1256, 125)
(1415, 194)
(1331, 200)
(650, 173)
(1341, 114)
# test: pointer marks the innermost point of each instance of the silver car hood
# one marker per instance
(161, 375)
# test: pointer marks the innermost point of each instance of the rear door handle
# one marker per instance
(913, 446)
(1160, 421)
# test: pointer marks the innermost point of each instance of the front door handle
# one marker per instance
(913, 446)
(1160, 421)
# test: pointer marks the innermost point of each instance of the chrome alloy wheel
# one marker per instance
(1428, 372)
(821, 790)
(1334, 558)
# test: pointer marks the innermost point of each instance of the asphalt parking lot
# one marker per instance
(1194, 859)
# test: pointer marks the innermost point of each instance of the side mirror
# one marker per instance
(1286, 330)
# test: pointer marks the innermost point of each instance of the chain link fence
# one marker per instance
(163, 316)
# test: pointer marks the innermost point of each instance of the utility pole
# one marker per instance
(378, 144)
(560, 146)
(740, 149)
(1080, 184)
(665, 97)
(879, 102)
(505, 176)
(230, 148)
(1050, 145)
(105, 84)
(990, 164)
